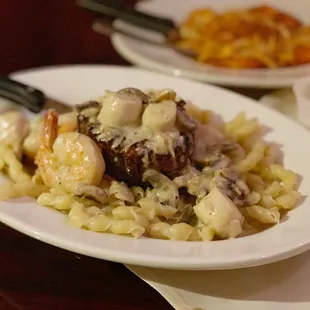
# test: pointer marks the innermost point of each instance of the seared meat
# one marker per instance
(129, 164)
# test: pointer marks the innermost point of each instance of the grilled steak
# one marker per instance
(129, 163)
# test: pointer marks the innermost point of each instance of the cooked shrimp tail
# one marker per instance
(50, 130)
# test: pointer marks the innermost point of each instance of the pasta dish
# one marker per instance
(148, 164)
(258, 37)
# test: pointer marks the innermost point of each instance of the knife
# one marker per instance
(118, 9)
(29, 97)
(104, 27)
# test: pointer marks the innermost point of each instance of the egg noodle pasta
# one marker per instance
(20, 189)
(13, 166)
(230, 183)
(180, 231)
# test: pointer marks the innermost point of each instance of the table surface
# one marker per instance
(35, 275)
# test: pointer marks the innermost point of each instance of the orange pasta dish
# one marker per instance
(259, 37)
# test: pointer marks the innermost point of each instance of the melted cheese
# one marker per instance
(159, 142)
(164, 143)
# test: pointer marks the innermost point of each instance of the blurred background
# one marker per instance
(39, 33)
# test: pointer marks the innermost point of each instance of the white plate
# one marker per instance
(168, 61)
(78, 83)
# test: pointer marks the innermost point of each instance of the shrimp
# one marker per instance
(14, 128)
(69, 158)
(66, 123)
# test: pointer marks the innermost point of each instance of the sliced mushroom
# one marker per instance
(90, 191)
(138, 192)
(131, 91)
(120, 190)
(164, 190)
(184, 122)
(217, 161)
(229, 173)
(219, 154)
(232, 185)
(187, 174)
(164, 94)
(196, 182)
(205, 138)
(183, 215)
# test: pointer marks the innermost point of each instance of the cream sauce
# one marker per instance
(122, 121)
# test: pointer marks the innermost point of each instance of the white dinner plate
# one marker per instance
(75, 84)
(168, 61)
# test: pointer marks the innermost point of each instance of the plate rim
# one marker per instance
(137, 260)
(148, 63)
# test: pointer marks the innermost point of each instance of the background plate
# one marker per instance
(170, 62)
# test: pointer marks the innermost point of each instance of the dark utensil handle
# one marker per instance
(117, 9)
(27, 96)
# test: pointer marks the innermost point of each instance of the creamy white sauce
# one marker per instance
(159, 142)
(122, 121)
